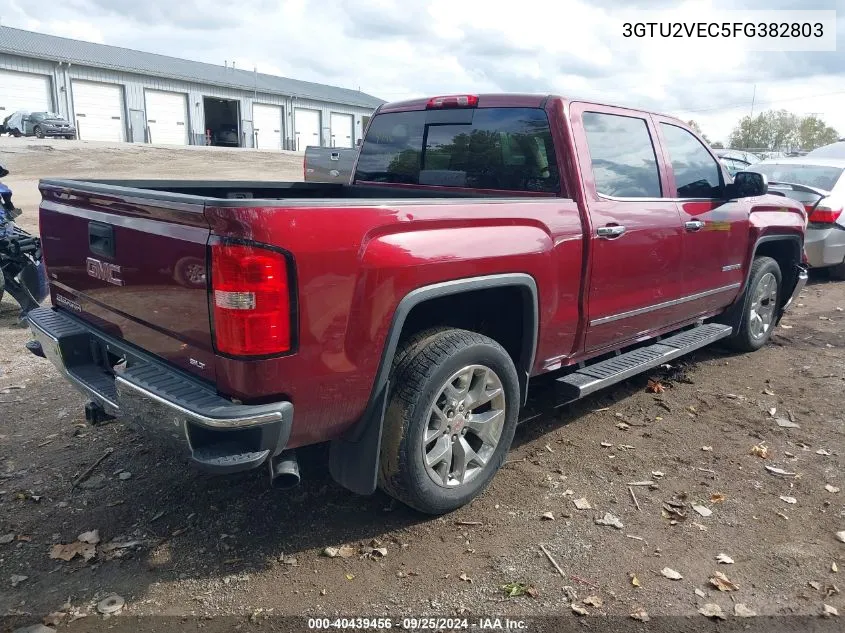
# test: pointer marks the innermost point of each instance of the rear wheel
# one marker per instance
(450, 419)
(759, 305)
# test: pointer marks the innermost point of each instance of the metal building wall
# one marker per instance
(134, 85)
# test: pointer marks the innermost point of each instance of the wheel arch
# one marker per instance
(353, 459)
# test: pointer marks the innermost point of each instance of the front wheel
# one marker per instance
(39, 133)
(450, 419)
(759, 305)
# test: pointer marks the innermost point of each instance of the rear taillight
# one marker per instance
(251, 298)
(824, 212)
(452, 101)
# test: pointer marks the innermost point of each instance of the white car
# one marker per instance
(819, 184)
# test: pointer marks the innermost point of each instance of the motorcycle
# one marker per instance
(24, 274)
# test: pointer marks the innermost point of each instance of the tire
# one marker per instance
(39, 133)
(759, 304)
(16, 133)
(837, 272)
(423, 370)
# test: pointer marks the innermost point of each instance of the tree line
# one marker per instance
(776, 130)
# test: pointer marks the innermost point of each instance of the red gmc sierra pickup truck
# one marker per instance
(482, 242)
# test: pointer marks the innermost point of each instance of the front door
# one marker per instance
(715, 229)
(635, 278)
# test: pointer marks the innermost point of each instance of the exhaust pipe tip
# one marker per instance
(284, 471)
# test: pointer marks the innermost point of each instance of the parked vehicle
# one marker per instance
(736, 160)
(484, 242)
(22, 272)
(834, 150)
(226, 135)
(44, 124)
(328, 164)
(818, 184)
(14, 123)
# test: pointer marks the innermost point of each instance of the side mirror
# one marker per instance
(748, 184)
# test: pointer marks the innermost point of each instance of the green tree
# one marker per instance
(717, 145)
(695, 127)
(780, 130)
(813, 133)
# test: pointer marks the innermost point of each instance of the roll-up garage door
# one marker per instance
(99, 111)
(24, 91)
(267, 123)
(307, 128)
(341, 125)
(167, 117)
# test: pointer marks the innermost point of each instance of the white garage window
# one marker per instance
(342, 129)
(306, 128)
(267, 124)
(24, 91)
(99, 111)
(167, 117)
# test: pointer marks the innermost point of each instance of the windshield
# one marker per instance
(487, 148)
(40, 116)
(817, 176)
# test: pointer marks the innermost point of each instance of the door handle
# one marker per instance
(693, 225)
(611, 232)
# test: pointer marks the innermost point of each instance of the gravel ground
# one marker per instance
(200, 546)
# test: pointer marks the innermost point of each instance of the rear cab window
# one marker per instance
(506, 149)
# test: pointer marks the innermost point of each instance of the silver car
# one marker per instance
(819, 184)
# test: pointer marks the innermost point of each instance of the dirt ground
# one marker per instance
(206, 546)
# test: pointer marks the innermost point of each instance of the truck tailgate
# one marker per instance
(132, 264)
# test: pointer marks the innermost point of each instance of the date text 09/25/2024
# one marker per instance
(417, 624)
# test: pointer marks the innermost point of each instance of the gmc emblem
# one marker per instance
(104, 271)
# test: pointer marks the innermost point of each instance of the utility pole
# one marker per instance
(753, 96)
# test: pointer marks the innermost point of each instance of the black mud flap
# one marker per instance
(354, 463)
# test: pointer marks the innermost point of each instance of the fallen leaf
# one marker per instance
(124, 475)
(830, 612)
(17, 579)
(623, 427)
(760, 450)
(548, 516)
(722, 583)
(674, 514)
(671, 574)
(779, 471)
(7, 538)
(711, 610)
(290, 560)
(717, 497)
(610, 520)
(724, 559)
(594, 601)
(786, 424)
(640, 614)
(465, 578)
(374, 552)
(700, 593)
(707, 449)
(579, 610)
(834, 568)
(790, 500)
(606, 445)
(92, 537)
(831, 590)
(655, 386)
(772, 411)
(516, 589)
(582, 504)
(656, 474)
(815, 585)
(705, 512)
(350, 576)
(768, 392)
(67, 552)
(634, 580)
(823, 452)
(742, 611)
(841, 536)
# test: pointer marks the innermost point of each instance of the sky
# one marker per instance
(399, 49)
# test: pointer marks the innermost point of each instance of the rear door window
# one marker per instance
(622, 155)
(506, 149)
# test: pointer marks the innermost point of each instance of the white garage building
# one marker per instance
(117, 94)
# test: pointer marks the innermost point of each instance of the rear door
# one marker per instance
(715, 237)
(636, 242)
